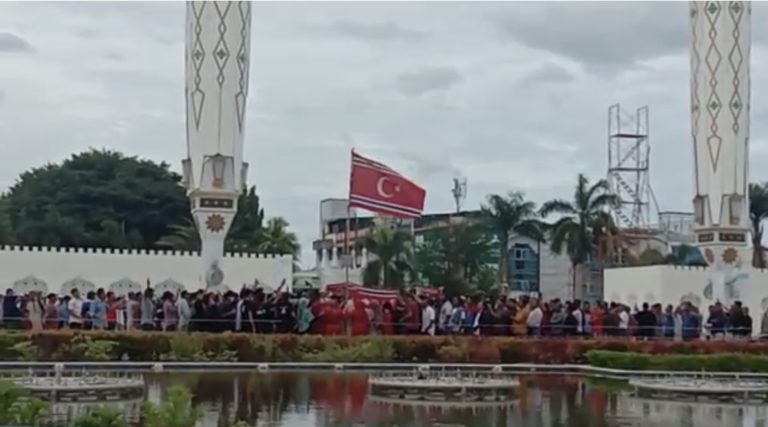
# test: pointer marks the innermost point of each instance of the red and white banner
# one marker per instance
(359, 293)
(376, 187)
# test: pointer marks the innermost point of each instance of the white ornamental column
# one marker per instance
(720, 108)
(217, 56)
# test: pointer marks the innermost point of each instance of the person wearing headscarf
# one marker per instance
(304, 316)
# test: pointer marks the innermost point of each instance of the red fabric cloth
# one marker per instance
(112, 311)
(334, 320)
(359, 322)
(386, 323)
(596, 317)
(378, 188)
(413, 311)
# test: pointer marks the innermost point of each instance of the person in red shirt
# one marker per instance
(596, 317)
(412, 317)
(112, 306)
(357, 316)
(318, 309)
(387, 328)
(333, 318)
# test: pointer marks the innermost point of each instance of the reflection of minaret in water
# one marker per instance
(720, 108)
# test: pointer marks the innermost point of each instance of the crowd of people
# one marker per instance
(255, 310)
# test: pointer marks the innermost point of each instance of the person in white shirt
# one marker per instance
(427, 318)
(623, 321)
(535, 316)
(579, 316)
(445, 316)
(185, 312)
(75, 307)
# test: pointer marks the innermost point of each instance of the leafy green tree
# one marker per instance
(428, 261)
(758, 212)
(685, 255)
(507, 215)
(581, 221)
(96, 198)
(275, 238)
(6, 231)
(181, 237)
(485, 279)
(248, 222)
(464, 246)
(452, 256)
(393, 250)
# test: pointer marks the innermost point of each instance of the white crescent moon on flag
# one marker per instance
(380, 188)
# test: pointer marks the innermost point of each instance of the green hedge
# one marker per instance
(155, 346)
(722, 362)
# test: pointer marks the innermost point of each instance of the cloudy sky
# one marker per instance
(513, 96)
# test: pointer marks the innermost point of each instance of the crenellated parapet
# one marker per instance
(136, 252)
(61, 269)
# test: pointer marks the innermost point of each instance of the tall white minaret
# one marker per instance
(217, 56)
(720, 109)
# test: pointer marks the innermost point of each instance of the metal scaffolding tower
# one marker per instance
(629, 152)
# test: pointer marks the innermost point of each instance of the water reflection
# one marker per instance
(340, 399)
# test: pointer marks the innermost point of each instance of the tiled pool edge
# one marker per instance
(514, 368)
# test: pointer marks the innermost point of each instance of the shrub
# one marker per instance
(722, 362)
(17, 407)
(103, 416)
(176, 411)
(154, 346)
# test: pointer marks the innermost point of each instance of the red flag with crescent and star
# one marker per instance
(376, 187)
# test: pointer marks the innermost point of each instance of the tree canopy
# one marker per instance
(98, 198)
(101, 198)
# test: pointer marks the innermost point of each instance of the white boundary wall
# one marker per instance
(669, 284)
(105, 268)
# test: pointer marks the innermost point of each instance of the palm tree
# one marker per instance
(758, 211)
(583, 220)
(463, 247)
(276, 239)
(393, 252)
(507, 215)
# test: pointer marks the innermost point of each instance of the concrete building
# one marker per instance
(533, 267)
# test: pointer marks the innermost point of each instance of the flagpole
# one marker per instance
(347, 260)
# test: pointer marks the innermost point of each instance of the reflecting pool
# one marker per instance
(299, 399)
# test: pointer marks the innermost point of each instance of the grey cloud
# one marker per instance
(114, 56)
(428, 165)
(13, 43)
(549, 73)
(87, 33)
(377, 32)
(428, 80)
(600, 34)
(2, 96)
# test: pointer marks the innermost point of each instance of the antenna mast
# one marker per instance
(459, 192)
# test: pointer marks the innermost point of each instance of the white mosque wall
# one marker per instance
(57, 269)
(669, 284)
